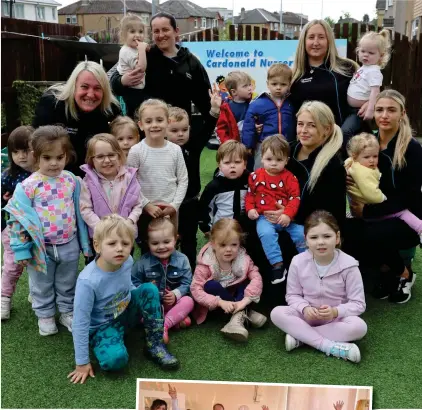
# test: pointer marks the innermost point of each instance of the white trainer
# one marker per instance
(6, 304)
(291, 343)
(47, 326)
(66, 320)
(346, 351)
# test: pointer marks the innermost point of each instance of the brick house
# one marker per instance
(96, 15)
(190, 17)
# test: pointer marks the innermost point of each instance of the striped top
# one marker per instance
(162, 172)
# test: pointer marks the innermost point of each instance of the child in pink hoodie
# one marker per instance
(225, 277)
(324, 293)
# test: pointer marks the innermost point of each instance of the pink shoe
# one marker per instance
(166, 336)
(186, 322)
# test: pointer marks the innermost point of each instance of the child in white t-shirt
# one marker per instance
(133, 52)
(374, 53)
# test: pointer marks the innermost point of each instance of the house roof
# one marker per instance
(106, 7)
(49, 2)
(262, 16)
(380, 5)
(256, 16)
(182, 9)
(291, 18)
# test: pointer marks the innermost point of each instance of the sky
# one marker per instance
(312, 8)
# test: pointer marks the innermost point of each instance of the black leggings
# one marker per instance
(378, 243)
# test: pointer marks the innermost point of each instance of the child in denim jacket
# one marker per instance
(170, 271)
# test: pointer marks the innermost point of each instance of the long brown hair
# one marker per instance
(405, 130)
(318, 217)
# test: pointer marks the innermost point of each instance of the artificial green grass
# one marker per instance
(34, 368)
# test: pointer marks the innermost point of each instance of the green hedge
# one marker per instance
(28, 97)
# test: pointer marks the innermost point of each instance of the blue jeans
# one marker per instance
(268, 234)
(232, 294)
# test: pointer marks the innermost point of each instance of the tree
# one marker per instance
(365, 19)
(346, 15)
(330, 21)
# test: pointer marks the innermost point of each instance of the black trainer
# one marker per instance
(278, 274)
(381, 290)
(403, 292)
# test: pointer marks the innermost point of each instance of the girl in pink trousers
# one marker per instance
(324, 293)
(225, 277)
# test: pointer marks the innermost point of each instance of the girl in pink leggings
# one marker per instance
(324, 293)
(170, 271)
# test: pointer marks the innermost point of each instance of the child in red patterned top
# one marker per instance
(268, 187)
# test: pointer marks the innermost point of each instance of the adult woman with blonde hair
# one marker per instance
(315, 162)
(378, 243)
(319, 73)
(84, 105)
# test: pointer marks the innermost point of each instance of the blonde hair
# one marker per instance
(153, 102)
(162, 223)
(110, 223)
(360, 142)
(109, 139)
(405, 131)
(225, 229)
(232, 149)
(383, 43)
(279, 70)
(66, 92)
(178, 114)
(236, 78)
(122, 121)
(323, 118)
(337, 64)
(128, 22)
(362, 404)
(277, 145)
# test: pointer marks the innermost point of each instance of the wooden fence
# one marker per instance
(32, 59)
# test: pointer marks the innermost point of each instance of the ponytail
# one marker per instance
(330, 148)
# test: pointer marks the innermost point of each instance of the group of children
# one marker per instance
(149, 190)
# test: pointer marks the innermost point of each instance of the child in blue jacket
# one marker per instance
(271, 109)
(170, 271)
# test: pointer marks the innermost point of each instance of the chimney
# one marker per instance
(242, 13)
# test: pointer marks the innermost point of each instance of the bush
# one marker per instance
(28, 97)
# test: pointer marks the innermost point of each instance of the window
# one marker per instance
(390, 3)
(275, 27)
(204, 22)
(71, 20)
(5, 9)
(195, 21)
(415, 26)
(18, 11)
(40, 13)
(53, 13)
(214, 23)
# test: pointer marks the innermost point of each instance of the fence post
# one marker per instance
(256, 33)
(232, 33)
(345, 33)
(240, 33)
(201, 36)
(41, 53)
(208, 34)
(337, 31)
(264, 33)
(248, 32)
(352, 43)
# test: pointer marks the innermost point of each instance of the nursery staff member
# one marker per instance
(84, 106)
(173, 74)
(378, 242)
(319, 73)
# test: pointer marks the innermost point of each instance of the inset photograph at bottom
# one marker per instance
(153, 394)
